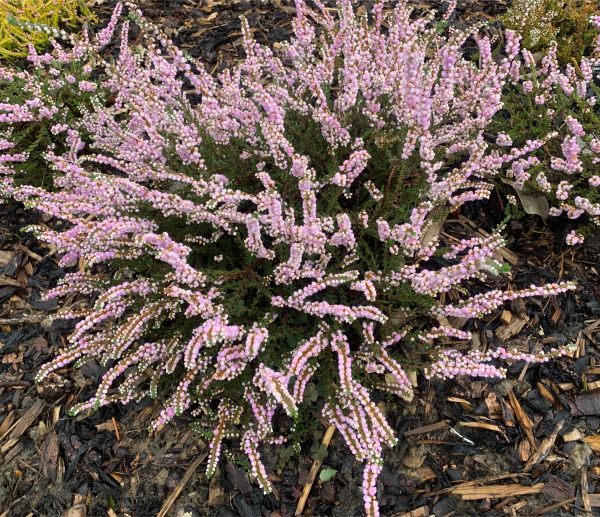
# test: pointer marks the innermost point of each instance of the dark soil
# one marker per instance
(538, 426)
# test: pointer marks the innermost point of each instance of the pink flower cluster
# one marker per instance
(45, 94)
(224, 228)
(566, 169)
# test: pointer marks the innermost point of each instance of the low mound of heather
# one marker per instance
(281, 224)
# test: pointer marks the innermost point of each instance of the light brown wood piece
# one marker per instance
(312, 474)
(545, 447)
(116, 428)
(422, 511)
(472, 493)
(426, 429)
(522, 418)
(546, 509)
(585, 493)
(19, 427)
(180, 486)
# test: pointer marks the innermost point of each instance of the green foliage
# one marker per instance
(523, 119)
(248, 301)
(542, 22)
(15, 14)
(36, 137)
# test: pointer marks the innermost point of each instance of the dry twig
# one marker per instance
(312, 475)
(180, 486)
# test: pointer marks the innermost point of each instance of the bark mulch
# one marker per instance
(526, 445)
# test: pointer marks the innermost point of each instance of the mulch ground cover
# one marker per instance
(526, 445)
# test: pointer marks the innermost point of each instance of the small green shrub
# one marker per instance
(277, 225)
(15, 38)
(566, 22)
(559, 105)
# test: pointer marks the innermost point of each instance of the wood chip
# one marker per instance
(465, 404)
(414, 459)
(585, 494)
(422, 511)
(5, 257)
(593, 385)
(25, 421)
(590, 329)
(524, 450)
(493, 406)
(10, 455)
(566, 386)
(593, 441)
(78, 509)
(545, 392)
(515, 507)
(508, 415)
(490, 479)
(8, 445)
(472, 493)
(545, 447)
(427, 429)
(55, 415)
(556, 316)
(588, 402)
(180, 486)
(522, 418)
(4, 280)
(116, 428)
(546, 509)
(105, 426)
(505, 332)
(557, 489)
(32, 254)
(482, 425)
(216, 494)
(49, 456)
(117, 477)
(28, 319)
(573, 435)
(7, 422)
(425, 474)
(594, 500)
(436, 220)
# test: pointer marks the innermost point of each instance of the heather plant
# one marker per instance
(41, 105)
(543, 23)
(280, 224)
(15, 36)
(561, 103)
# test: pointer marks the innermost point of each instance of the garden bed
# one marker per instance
(525, 445)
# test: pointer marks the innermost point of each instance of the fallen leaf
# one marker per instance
(49, 456)
(327, 474)
(237, 477)
(588, 402)
(534, 204)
